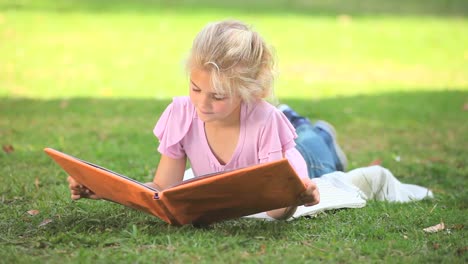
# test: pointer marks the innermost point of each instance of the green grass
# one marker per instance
(91, 78)
(81, 51)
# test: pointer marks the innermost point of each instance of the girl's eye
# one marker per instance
(219, 97)
(195, 90)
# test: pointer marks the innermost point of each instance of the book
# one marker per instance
(332, 196)
(199, 201)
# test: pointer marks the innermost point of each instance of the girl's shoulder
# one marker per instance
(262, 112)
(269, 120)
(183, 103)
(176, 119)
(180, 109)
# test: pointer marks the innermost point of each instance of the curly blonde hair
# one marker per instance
(237, 58)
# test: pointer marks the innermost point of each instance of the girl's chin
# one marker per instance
(208, 120)
(206, 117)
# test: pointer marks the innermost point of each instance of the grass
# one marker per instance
(91, 79)
(73, 52)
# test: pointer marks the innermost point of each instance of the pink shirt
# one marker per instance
(265, 133)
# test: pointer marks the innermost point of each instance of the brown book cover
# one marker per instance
(199, 201)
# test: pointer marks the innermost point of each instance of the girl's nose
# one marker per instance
(205, 100)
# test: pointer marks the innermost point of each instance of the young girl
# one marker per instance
(226, 124)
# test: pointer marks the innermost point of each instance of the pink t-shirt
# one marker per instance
(265, 133)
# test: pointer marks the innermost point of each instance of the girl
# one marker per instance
(225, 122)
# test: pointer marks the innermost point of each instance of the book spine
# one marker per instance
(168, 217)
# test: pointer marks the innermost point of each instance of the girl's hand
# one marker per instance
(79, 191)
(311, 195)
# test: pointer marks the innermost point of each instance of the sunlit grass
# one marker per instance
(392, 76)
(82, 54)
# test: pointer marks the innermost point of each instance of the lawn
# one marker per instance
(92, 77)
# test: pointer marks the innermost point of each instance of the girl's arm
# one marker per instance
(79, 191)
(169, 172)
(282, 213)
(309, 197)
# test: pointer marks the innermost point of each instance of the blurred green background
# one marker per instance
(136, 49)
(91, 78)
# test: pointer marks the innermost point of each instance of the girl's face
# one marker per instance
(210, 106)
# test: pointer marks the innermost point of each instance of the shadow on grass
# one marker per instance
(426, 129)
(109, 130)
(329, 7)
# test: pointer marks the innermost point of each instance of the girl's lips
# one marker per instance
(205, 113)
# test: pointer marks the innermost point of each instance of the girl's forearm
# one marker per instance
(282, 213)
(154, 185)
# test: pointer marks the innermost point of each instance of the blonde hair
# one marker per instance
(237, 58)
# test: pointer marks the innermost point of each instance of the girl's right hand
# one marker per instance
(80, 191)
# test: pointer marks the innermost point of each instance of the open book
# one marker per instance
(201, 200)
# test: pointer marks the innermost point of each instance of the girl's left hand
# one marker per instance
(311, 195)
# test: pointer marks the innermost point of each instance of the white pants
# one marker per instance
(352, 189)
(378, 183)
